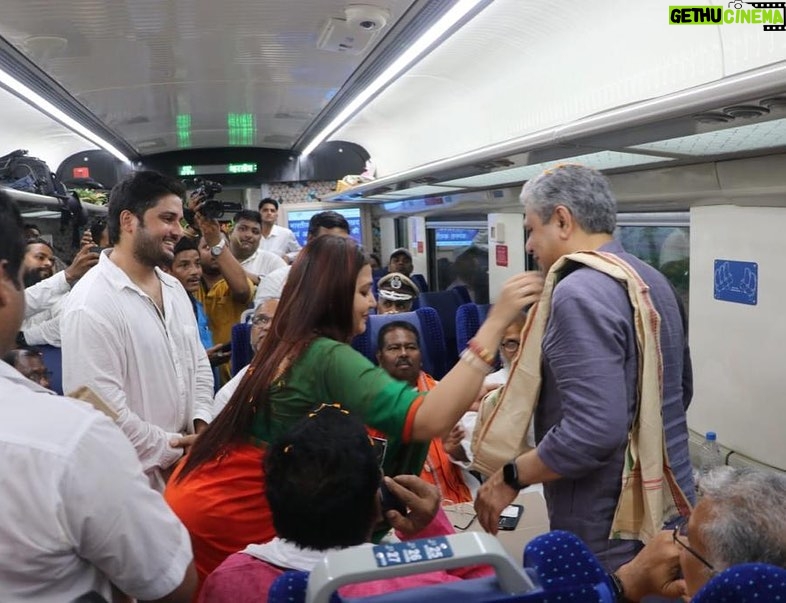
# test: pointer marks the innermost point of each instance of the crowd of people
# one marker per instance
(178, 480)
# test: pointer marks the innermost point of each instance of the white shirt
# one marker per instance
(225, 393)
(280, 241)
(272, 285)
(261, 263)
(76, 511)
(43, 294)
(44, 327)
(151, 369)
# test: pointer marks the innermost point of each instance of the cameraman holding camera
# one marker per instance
(225, 291)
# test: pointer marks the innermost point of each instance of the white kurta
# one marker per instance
(150, 368)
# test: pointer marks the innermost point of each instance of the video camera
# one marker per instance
(212, 208)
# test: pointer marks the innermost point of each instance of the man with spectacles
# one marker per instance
(260, 326)
(30, 362)
(740, 518)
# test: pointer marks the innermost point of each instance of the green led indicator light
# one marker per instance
(186, 170)
(242, 129)
(183, 125)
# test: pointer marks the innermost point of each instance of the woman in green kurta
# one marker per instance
(305, 361)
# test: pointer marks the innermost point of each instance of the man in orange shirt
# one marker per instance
(398, 352)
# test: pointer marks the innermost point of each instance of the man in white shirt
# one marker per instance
(45, 293)
(77, 512)
(244, 245)
(275, 238)
(129, 330)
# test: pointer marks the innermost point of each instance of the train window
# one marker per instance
(458, 256)
(663, 246)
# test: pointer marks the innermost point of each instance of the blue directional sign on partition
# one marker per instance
(737, 282)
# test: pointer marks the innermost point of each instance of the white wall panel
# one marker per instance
(738, 349)
(522, 66)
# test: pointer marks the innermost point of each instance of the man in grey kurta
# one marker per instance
(588, 399)
(590, 368)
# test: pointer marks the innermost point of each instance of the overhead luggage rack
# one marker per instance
(43, 206)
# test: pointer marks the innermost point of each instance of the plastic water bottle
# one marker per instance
(710, 456)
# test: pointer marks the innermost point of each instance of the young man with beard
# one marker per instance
(129, 330)
(39, 262)
(45, 290)
(244, 244)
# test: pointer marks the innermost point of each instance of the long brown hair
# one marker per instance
(317, 301)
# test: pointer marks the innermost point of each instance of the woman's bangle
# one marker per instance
(475, 361)
(481, 352)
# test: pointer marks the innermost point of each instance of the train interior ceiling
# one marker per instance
(688, 122)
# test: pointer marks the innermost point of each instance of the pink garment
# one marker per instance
(242, 578)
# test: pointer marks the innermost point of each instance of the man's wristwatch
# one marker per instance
(216, 250)
(510, 475)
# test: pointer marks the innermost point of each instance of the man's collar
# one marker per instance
(118, 278)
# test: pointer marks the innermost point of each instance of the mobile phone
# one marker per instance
(95, 249)
(509, 518)
(389, 500)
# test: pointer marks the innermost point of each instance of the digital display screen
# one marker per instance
(455, 237)
(298, 222)
(227, 168)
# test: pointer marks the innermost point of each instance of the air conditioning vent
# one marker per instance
(712, 118)
(494, 164)
(746, 111)
(774, 102)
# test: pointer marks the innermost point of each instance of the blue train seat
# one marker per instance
(432, 340)
(745, 583)
(241, 347)
(469, 317)
(462, 292)
(53, 361)
(420, 281)
(446, 303)
(572, 574)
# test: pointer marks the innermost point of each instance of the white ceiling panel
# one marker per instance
(140, 65)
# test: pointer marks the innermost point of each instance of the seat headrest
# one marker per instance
(745, 583)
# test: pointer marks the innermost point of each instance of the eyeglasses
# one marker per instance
(510, 345)
(463, 515)
(260, 320)
(681, 529)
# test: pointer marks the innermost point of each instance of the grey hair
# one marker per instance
(584, 191)
(747, 520)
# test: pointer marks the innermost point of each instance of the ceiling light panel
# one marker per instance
(602, 160)
(731, 140)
